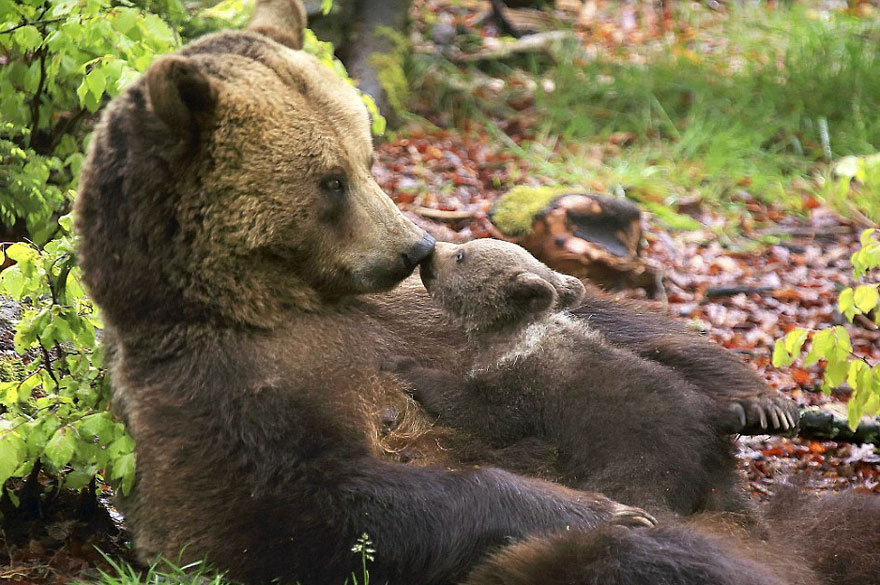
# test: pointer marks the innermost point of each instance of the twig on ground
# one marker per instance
(443, 214)
(729, 291)
(528, 44)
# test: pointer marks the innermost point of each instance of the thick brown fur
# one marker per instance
(838, 535)
(806, 539)
(232, 234)
(228, 221)
(539, 373)
(714, 370)
(677, 554)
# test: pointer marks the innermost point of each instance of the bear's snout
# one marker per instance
(419, 253)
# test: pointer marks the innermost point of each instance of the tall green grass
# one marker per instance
(791, 93)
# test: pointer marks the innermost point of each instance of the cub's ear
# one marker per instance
(283, 21)
(570, 291)
(531, 294)
(179, 93)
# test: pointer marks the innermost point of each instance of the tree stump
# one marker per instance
(584, 234)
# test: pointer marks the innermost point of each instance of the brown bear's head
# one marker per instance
(234, 180)
(491, 285)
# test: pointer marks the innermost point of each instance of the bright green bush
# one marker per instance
(834, 345)
(62, 58)
(65, 58)
(55, 412)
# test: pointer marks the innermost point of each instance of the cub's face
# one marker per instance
(492, 285)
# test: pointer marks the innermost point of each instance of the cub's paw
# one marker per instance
(398, 364)
(623, 515)
(765, 415)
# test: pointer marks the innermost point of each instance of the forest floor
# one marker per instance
(735, 198)
(778, 236)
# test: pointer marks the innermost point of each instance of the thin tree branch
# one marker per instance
(33, 23)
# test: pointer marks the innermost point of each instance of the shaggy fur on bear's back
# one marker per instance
(228, 222)
(232, 233)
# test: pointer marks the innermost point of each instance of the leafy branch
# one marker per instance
(834, 346)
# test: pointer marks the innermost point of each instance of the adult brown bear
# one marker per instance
(230, 230)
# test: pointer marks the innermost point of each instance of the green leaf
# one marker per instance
(123, 468)
(326, 7)
(794, 341)
(28, 37)
(126, 19)
(96, 81)
(854, 414)
(781, 357)
(836, 372)
(98, 425)
(66, 222)
(12, 282)
(12, 454)
(842, 343)
(866, 297)
(22, 253)
(820, 347)
(865, 237)
(846, 303)
(78, 479)
(61, 447)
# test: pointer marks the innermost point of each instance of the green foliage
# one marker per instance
(364, 548)
(55, 409)
(834, 345)
(237, 13)
(791, 94)
(62, 58)
(162, 571)
(855, 184)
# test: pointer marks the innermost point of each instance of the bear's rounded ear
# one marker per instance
(179, 92)
(570, 291)
(283, 21)
(531, 294)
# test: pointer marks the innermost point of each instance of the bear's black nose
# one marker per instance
(416, 254)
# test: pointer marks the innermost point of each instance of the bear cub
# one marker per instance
(623, 425)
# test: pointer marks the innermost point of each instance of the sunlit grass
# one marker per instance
(789, 94)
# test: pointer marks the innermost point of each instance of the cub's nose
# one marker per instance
(416, 254)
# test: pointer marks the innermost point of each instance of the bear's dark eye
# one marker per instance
(334, 185)
(459, 256)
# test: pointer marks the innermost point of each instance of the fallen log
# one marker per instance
(534, 43)
(827, 425)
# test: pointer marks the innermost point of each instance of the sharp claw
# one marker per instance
(646, 520)
(740, 413)
(761, 415)
(774, 417)
(629, 516)
(783, 419)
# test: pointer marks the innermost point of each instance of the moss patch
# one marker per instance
(514, 212)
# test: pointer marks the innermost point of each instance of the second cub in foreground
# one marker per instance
(623, 425)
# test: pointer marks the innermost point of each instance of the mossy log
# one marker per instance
(586, 235)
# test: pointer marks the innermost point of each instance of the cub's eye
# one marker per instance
(334, 185)
(459, 256)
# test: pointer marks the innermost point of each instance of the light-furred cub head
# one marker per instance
(492, 285)
(234, 180)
